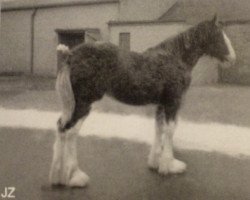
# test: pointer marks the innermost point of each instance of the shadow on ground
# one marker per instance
(118, 171)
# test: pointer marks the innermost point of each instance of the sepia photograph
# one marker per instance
(125, 99)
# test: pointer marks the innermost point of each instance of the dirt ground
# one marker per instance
(117, 167)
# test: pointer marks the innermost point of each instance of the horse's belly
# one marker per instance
(135, 96)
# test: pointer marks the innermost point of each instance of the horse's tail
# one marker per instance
(63, 51)
(66, 95)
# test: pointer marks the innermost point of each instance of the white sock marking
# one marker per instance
(168, 132)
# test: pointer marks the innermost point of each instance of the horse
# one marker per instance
(160, 76)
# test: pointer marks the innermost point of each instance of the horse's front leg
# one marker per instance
(168, 164)
(156, 149)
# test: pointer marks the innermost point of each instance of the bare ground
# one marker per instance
(118, 171)
(117, 167)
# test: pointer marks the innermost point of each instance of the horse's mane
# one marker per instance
(188, 39)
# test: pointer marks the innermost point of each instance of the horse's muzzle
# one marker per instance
(231, 59)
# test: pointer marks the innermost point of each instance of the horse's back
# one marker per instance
(92, 58)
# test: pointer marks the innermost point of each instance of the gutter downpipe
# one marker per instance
(32, 33)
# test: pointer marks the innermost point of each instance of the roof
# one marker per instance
(191, 11)
(31, 4)
(198, 10)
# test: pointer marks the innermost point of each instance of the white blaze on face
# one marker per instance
(231, 56)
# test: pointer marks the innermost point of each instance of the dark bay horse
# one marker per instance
(161, 75)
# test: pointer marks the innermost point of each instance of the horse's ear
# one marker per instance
(215, 20)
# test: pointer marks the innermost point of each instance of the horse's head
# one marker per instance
(218, 44)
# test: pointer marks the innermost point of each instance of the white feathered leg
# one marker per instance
(167, 162)
(65, 169)
(156, 149)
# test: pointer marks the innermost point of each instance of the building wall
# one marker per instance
(0, 16)
(15, 49)
(135, 10)
(144, 36)
(47, 20)
(147, 35)
(15, 41)
(206, 71)
(239, 35)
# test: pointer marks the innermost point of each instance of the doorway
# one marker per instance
(70, 38)
(73, 37)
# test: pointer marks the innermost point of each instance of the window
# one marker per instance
(124, 41)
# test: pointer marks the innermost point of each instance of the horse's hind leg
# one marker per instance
(64, 168)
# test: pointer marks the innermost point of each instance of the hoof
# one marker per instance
(173, 166)
(78, 179)
(153, 159)
(153, 163)
(54, 177)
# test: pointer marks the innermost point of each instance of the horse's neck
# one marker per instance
(195, 49)
(191, 56)
(177, 48)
